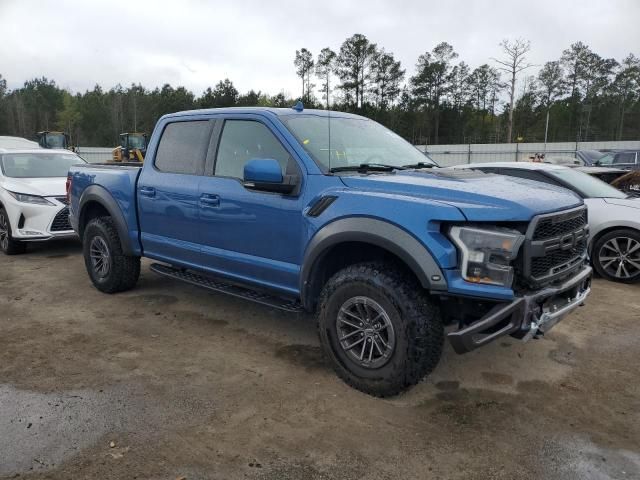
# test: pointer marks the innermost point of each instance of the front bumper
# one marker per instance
(526, 316)
(33, 222)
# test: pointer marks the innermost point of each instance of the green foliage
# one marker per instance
(223, 95)
(304, 67)
(354, 59)
(386, 77)
(325, 67)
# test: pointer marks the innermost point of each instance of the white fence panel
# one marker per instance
(448, 155)
(95, 154)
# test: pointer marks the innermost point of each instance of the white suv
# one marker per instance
(33, 203)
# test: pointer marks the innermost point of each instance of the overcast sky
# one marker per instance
(195, 43)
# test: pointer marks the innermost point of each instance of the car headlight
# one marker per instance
(487, 254)
(24, 198)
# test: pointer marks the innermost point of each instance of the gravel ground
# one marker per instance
(172, 381)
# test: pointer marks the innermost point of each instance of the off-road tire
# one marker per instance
(416, 320)
(123, 270)
(10, 246)
(622, 233)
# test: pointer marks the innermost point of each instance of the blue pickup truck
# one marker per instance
(333, 213)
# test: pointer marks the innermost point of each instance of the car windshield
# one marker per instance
(592, 155)
(338, 142)
(588, 186)
(606, 159)
(38, 165)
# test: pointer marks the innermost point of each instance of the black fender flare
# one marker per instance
(376, 232)
(97, 194)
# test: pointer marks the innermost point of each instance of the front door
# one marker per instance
(248, 235)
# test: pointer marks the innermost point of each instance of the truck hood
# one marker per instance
(479, 196)
(44, 187)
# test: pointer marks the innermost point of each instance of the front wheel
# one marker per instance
(7, 244)
(616, 256)
(380, 330)
(109, 268)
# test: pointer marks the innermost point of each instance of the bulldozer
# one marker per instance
(132, 148)
(48, 139)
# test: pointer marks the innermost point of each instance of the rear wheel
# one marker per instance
(616, 256)
(109, 268)
(380, 330)
(7, 244)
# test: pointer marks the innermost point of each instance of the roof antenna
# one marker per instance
(298, 107)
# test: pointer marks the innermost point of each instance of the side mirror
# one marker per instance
(266, 175)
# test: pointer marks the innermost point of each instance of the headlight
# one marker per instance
(24, 198)
(487, 254)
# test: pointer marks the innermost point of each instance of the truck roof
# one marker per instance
(274, 111)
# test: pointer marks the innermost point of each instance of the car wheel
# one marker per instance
(109, 268)
(379, 328)
(616, 256)
(7, 244)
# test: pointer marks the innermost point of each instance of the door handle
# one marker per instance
(210, 200)
(147, 191)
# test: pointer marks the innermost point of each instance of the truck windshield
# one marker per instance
(136, 141)
(338, 142)
(38, 165)
(55, 140)
(588, 186)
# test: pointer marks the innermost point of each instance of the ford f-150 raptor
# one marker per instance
(333, 213)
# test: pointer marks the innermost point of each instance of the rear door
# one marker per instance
(168, 191)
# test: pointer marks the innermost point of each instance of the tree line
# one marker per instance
(580, 96)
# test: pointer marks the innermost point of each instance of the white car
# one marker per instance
(33, 202)
(17, 142)
(614, 216)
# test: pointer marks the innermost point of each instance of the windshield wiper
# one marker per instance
(366, 167)
(420, 165)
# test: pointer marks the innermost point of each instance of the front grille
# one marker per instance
(61, 221)
(555, 245)
(62, 200)
(556, 262)
(554, 226)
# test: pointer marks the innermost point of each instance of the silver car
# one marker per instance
(614, 217)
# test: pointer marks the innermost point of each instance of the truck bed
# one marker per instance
(114, 181)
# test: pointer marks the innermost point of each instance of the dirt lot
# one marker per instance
(187, 383)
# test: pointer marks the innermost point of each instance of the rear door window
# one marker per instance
(183, 147)
(625, 158)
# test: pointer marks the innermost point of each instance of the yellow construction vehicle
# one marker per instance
(48, 139)
(132, 148)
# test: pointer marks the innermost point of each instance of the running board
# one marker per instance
(216, 285)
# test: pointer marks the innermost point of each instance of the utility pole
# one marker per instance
(546, 131)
